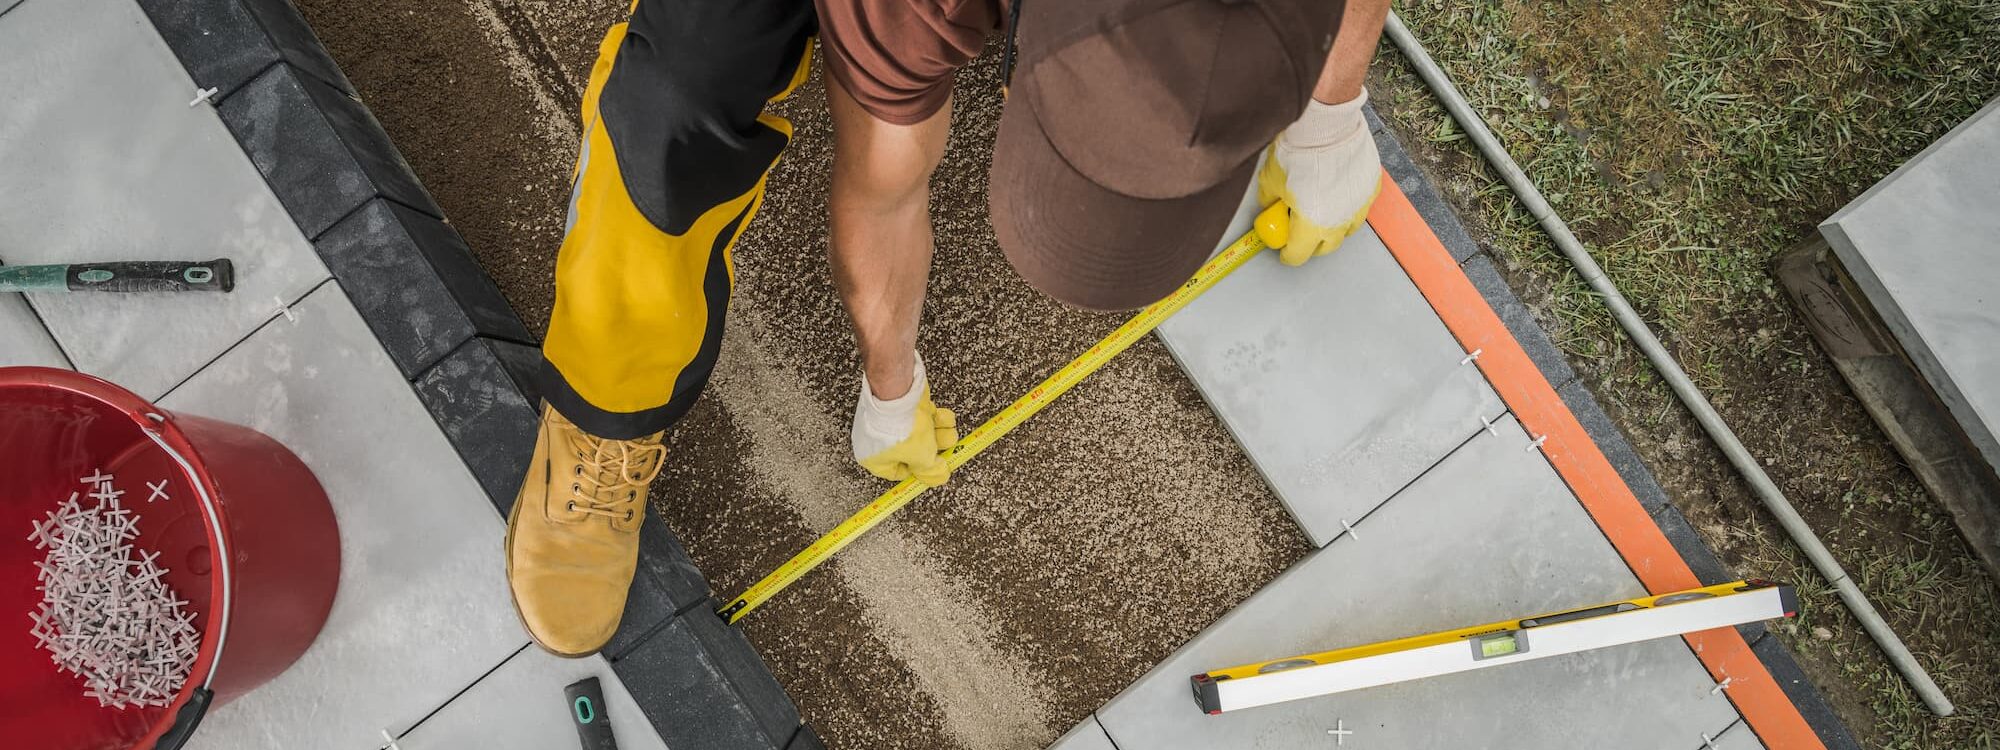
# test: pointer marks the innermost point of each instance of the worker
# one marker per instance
(1131, 131)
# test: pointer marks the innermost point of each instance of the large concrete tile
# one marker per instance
(1336, 377)
(423, 608)
(23, 340)
(1921, 245)
(1739, 736)
(521, 706)
(102, 158)
(1086, 735)
(1490, 533)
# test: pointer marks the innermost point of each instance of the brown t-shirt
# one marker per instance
(897, 56)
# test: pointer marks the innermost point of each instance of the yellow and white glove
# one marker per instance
(906, 436)
(1324, 167)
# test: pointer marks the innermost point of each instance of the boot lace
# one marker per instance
(612, 475)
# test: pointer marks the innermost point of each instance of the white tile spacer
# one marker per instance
(389, 742)
(1350, 530)
(97, 476)
(1707, 742)
(1489, 426)
(1536, 444)
(202, 95)
(159, 491)
(285, 310)
(1473, 356)
(1340, 731)
(1721, 686)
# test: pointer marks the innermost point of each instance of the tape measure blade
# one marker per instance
(997, 426)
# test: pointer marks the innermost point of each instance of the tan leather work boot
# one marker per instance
(573, 536)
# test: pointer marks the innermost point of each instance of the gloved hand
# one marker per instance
(1324, 167)
(905, 436)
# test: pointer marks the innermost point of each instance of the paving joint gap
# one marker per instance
(1349, 531)
(252, 333)
(461, 691)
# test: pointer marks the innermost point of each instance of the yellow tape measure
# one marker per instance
(1271, 223)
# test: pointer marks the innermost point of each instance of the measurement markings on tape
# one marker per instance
(1492, 644)
(1268, 224)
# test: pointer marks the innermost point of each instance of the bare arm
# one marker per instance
(1347, 65)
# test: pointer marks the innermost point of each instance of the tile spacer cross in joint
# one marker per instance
(202, 95)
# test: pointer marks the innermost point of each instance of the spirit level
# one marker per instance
(1492, 644)
(1273, 222)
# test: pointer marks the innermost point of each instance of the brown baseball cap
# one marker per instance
(1132, 129)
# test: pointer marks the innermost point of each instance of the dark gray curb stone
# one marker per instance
(321, 151)
(416, 283)
(444, 323)
(225, 43)
(480, 396)
(689, 695)
(1623, 457)
(1519, 320)
(1818, 714)
(1611, 441)
(1436, 212)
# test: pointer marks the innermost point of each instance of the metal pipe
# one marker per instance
(1669, 370)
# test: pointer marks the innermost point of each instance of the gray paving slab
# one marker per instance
(423, 608)
(1490, 533)
(1924, 246)
(522, 706)
(23, 340)
(1739, 736)
(102, 158)
(1086, 735)
(1336, 377)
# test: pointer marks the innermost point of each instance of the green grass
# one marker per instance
(1689, 144)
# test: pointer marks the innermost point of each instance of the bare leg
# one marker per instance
(881, 244)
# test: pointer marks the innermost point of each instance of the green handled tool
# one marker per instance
(134, 276)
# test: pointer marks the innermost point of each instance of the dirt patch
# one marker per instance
(996, 612)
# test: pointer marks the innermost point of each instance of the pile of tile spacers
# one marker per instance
(106, 614)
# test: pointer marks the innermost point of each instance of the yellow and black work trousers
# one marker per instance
(676, 146)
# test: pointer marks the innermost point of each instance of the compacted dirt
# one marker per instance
(994, 613)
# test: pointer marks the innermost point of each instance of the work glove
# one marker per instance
(904, 437)
(1324, 167)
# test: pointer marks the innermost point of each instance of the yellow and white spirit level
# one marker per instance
(1492, 644)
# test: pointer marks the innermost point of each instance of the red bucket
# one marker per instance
(245, 533)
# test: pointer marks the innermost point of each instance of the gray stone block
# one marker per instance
(1611, 441)
(688, 695)
(1818, 713)
(647, 610)
(321, 151)
(1920, 245)
(1520, 321)
(661, 554)
(416, 284)
(479, 396)
(739, 661)
(1436, 212)
(225, 43)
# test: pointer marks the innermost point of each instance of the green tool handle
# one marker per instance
(135, 276)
